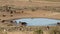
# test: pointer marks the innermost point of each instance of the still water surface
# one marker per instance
(38, 21)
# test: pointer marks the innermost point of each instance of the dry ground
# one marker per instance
(30, 14)
(38, 13)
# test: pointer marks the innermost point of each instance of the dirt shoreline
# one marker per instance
(35, 17)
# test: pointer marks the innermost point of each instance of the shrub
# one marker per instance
(55, 31)
(38, 32)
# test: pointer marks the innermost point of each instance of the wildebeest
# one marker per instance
(58, 23)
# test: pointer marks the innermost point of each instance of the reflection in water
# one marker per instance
(38, 21)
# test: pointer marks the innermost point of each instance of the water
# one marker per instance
(38, 21)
